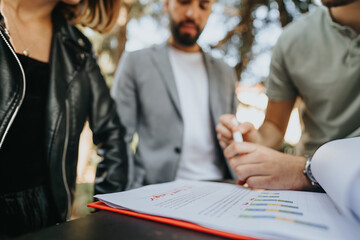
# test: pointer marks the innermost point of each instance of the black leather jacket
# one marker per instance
(77, 92)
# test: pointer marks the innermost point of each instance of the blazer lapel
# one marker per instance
(162, 62)
(217, 91)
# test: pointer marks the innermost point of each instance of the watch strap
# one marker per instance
(308, 173)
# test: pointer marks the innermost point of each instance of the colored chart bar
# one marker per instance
(273, 204)
(287, 220)
(272, 200)
(273, 210)
(268, 196)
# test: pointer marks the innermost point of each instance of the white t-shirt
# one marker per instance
(198, 155)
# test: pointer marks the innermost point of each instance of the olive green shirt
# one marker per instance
(318, 60)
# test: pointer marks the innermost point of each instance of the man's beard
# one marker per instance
(336, 3)
(184, 39)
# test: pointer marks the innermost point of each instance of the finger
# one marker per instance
(227, 121)
(264, 182)
(224, 131)
(245, 159)
(236, 148)
(224, 139)
(245, 171)
(222, 144)
(246, 127)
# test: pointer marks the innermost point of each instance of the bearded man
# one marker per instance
(172, 95)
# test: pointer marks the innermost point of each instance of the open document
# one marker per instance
(235, 209)
(263, 214)
(336, 166)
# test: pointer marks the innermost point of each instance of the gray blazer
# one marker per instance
(148, 104)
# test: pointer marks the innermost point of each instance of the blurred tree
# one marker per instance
(109, 47)
(243, 34)
(251, 17)
(131, 9)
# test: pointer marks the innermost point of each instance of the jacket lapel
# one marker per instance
(162, 62)
(66, 60)
(217, 91)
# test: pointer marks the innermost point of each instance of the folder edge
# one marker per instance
(175, 222)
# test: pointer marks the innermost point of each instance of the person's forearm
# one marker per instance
(276, 121)
(271, 136)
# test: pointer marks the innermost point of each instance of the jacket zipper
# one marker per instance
(67, 126)
(23, 93)
(67, 112)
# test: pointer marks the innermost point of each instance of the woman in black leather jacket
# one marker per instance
(50, 84)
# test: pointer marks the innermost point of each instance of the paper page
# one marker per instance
(354, 198)
(233, 208)
(336, 166)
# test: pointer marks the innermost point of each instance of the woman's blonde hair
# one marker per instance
(100, 15)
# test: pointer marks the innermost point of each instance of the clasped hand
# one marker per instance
(257, 165)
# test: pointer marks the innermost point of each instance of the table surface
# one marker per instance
(109, 225)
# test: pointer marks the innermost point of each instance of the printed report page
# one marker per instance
(233, 208)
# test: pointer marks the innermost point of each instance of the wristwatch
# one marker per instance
(308, 173)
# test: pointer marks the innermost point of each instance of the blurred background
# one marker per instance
(242, 32)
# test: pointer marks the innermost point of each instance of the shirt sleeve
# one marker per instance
(279, 85)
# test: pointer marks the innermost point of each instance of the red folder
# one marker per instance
(170, 221)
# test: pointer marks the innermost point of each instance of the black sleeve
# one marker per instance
(108, 134)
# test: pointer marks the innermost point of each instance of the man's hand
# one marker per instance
(263, 167)
(226, 127)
